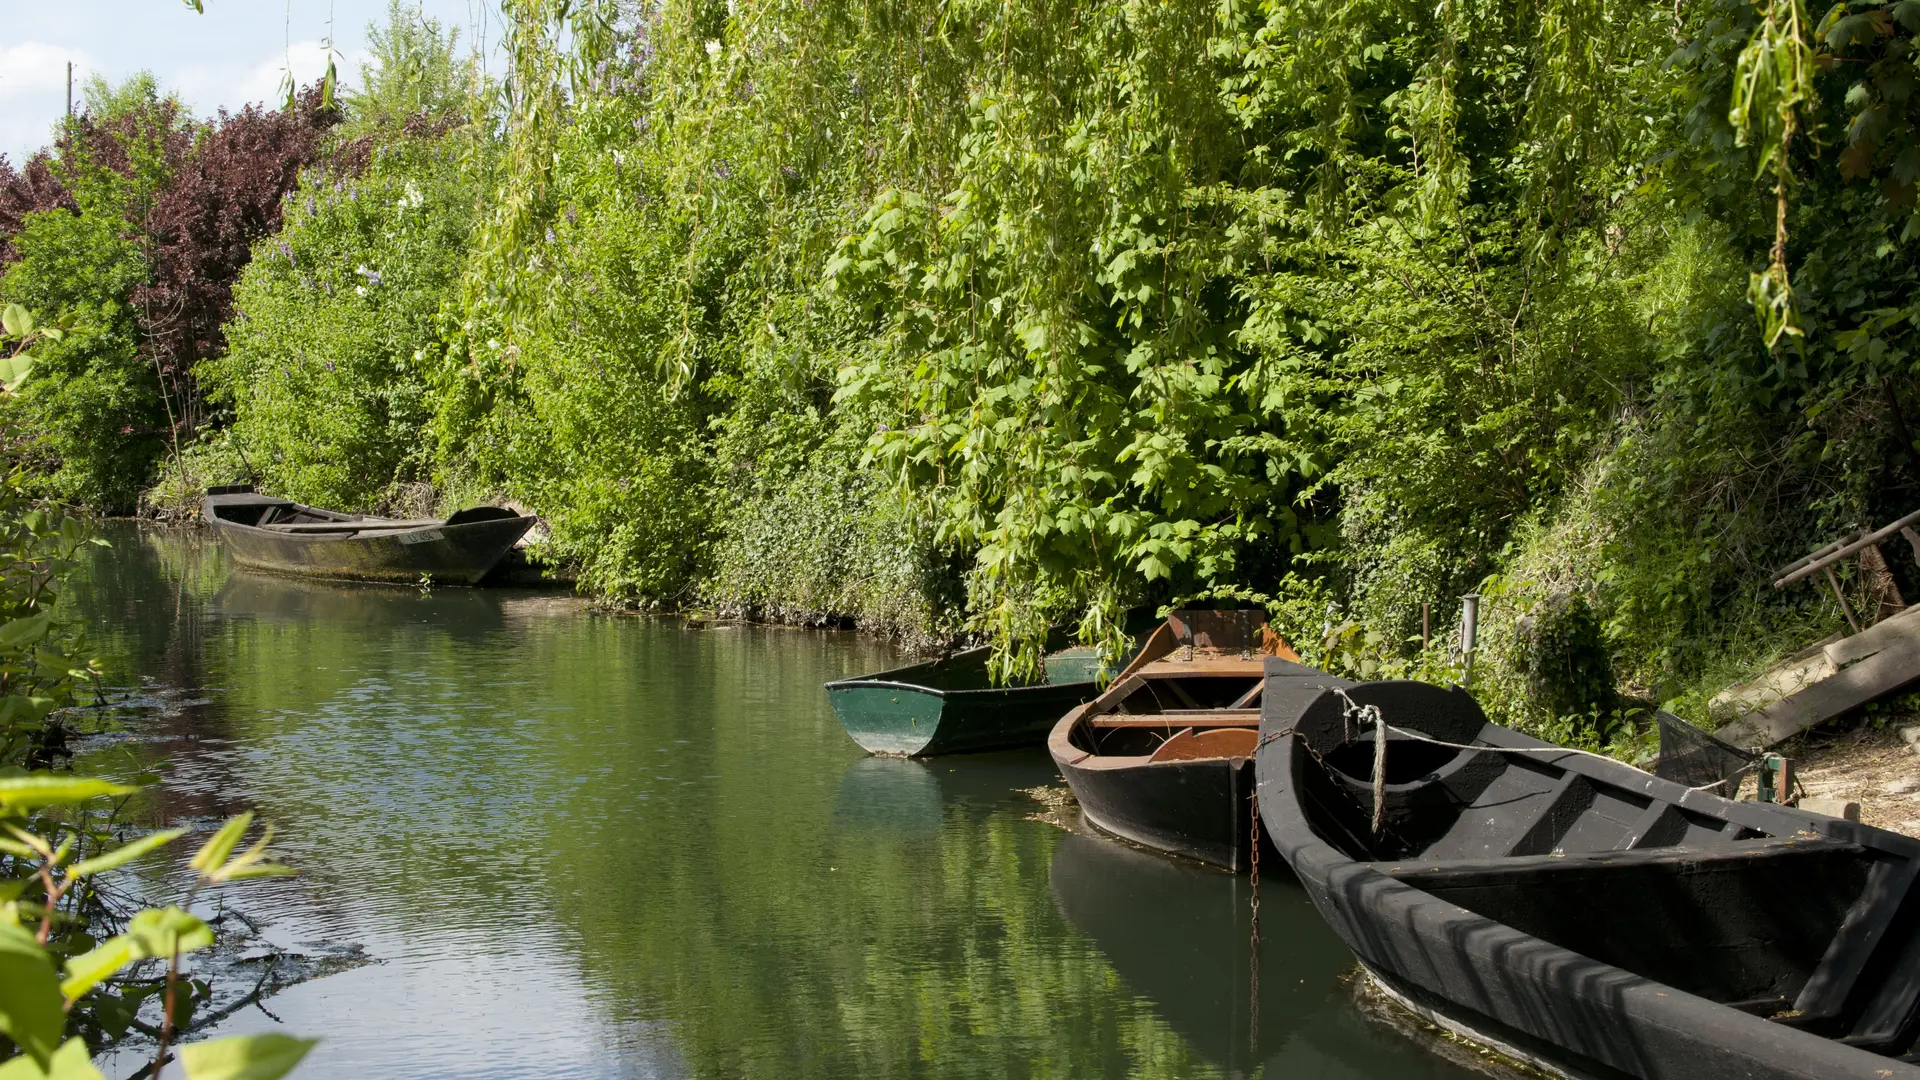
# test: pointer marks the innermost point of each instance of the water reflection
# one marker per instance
(589, 846)
(1181, 937)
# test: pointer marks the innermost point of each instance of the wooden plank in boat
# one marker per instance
(1860, 935)
(371, 525)
(1182, 718)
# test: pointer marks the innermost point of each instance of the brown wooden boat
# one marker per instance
(1164, 757)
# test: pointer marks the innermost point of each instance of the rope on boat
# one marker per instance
(1351, 710)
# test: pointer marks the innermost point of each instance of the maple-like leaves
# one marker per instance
(225, 194)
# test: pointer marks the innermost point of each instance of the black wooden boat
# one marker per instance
(1583, 914)
(1164, 757)
(278, 534)
(951, 705)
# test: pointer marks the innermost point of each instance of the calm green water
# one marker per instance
(585, 846)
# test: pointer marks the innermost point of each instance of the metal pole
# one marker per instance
(1469, 627)
(69, 89)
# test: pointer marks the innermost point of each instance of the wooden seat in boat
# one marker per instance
(1191, 745)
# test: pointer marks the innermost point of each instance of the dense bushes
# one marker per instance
(326, 371)
(133, 227)
(1031, 312)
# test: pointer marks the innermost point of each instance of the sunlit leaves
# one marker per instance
(217, 862)
(244, 1057)
(31, 1012)
(126, 853)
(71, 1061)
(54, 789)
(168, 932)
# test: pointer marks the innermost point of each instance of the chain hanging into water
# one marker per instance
(1253, 964)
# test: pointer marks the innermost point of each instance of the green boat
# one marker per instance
(950, 706)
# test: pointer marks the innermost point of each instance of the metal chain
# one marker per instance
(1386, 831)
(1253, 966)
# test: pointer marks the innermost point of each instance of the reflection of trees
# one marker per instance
(676, 802)
(141, 600)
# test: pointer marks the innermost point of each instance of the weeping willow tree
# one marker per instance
(1036, 312)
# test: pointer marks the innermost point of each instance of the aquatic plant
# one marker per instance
(63, 944)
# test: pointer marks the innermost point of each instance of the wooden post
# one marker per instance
(1426, 617)
(1845, 609)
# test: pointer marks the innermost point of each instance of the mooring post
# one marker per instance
(1469, 628)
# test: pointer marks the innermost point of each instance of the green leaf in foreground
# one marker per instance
(31, 1012)
(48, 789)
(122, 855)
(244, 1057)
(85, 971)
(217, 849)
(14, 370)
(70, 1062)
(168, 931)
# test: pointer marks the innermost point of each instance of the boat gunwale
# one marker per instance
(1496, 944)
(869, 682)
(357, 537)
(388, 528)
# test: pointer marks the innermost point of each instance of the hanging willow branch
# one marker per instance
(1772, 83)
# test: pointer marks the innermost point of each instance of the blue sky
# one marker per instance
(234, 54)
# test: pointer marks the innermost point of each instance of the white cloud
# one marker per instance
(33, 92)
(264, 84)
(34, 68)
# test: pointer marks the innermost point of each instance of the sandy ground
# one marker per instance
(1871, 766)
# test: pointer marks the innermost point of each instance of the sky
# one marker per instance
(234, 54)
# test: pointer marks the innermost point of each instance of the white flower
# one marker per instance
(713, 48)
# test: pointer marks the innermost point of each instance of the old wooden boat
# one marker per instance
(1583, 914)
(1164, 757)
(278, 534)
(951, 706)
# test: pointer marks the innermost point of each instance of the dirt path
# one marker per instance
(1871, 766)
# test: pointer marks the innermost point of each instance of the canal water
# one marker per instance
(535, 841)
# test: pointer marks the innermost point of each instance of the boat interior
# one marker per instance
(1192, 693)
(1809, 922)
(243, 507)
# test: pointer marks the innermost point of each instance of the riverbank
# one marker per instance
(1871, 764)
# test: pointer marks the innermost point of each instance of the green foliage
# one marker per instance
(98, 406)
(326, 369)
(414, 73)
(96, 401)
(1564, 659)
(1023, 313)
(54, 847)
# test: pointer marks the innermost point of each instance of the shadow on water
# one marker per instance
(603, 847)
(1180, 936)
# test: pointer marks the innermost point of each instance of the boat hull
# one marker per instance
(896, 719)
(1199, 810)
(1737, 900)
(448, 554)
